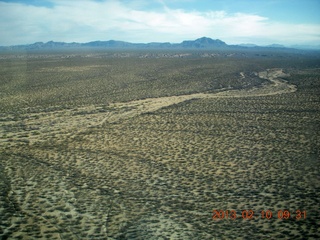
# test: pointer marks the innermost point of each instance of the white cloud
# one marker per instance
(87, 20)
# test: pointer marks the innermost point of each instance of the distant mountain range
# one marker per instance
(200, 43)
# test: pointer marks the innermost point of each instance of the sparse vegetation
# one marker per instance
(113, 145)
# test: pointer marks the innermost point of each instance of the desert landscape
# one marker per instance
(149, 144)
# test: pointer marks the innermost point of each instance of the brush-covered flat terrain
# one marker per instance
(147, 145)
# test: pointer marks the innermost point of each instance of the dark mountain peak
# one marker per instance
(204, 42)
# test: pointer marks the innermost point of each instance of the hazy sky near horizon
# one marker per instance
(261, 22)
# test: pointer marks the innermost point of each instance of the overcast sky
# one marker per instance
(233, 21)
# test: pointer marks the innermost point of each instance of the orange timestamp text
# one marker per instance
(264, 214)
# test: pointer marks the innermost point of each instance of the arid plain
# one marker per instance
(148, 144)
